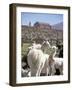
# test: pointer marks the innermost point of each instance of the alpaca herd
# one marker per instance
(42, 61)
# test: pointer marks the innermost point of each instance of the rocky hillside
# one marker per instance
(30, 34)
(58, 26)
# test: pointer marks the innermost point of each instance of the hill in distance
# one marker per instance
(58, 26)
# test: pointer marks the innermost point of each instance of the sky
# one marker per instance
(51, 19)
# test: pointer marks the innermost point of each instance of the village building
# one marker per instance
(42, 25)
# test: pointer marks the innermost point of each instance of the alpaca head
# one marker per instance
(54, 47)
(54, 50)
(46, 44)
(45, 47)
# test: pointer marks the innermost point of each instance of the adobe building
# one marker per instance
(42, 25)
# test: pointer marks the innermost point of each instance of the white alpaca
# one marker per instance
(37, 60)
(59, 64)
(55, 63)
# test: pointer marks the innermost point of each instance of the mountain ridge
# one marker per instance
(58, 26)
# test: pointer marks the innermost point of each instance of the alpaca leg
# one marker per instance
(39, 70)
(52, 70)
(61, 70)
